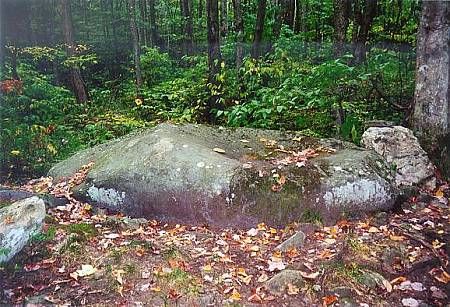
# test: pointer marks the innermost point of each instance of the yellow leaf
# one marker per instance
(52, 149)
(373, 229)
(241, 271)
(15, 152)
(292, 290)
(439, 193)
(207, 268)
(254, 248)
(235, 296)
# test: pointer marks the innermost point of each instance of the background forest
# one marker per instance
(77, 73)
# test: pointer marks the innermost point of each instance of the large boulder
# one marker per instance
(203, 174)
(19, 221)
(402, 151)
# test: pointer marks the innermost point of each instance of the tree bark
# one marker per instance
(259, 29)
(200, 9)
(341, 15)
(214, 54)
(188, 30)
(364, 15)
(136, 47)
(154, 35)
(142, 9)
(239, 29)
(223, 17)
(280, 16)
(75, 74)
(431, 114)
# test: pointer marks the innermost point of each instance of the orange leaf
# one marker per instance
(328, 300)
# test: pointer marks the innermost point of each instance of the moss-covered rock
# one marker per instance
(239, 176)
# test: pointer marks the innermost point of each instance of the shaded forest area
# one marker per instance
(78, 73)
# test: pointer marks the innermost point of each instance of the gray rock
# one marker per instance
(402, 151)
(18, 223)
(297, 240)
(278, 283)
(373, 280)
(171, 172)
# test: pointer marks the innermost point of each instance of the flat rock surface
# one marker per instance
(221, 176)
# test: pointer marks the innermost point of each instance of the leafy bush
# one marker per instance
(156, 66)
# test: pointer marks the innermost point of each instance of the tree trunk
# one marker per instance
(280, 15)
(214, 55)
(154, 35)
(75, 74)
(223, 17)
(364, 16)
(188, 30)
(259, 29)
(341, 15)
(136, 47)
(239, 29)
(431, 114)
(200, 9)
(142, 9)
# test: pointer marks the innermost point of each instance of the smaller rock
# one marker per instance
(401, 149)
(36, 301)
(278, 283)
(373, 279)
(410, 302)
(297, 241)
(348, 302)
(18, 223)
(127, 222)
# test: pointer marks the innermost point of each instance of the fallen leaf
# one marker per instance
(219, 150)
(373, 229)
(387, 285)
(398, 280)
(86, 270)
(263, 277)
(276, 266)
(313, 275)
(207, 268)
(330, 299)
(235, 295)
(255, 298)
(292, 289)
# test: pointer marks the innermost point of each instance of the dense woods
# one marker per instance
(77, 73)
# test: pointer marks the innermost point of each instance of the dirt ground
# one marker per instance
(87, 256)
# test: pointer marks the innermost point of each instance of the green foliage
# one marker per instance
(156, 66)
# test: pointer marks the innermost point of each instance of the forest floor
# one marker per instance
(86, 256)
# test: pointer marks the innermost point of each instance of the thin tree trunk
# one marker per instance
(75, 74)
(188, 30)
(280, 15)
(239, 29)
(200, 9)
(214, 54)
(114, 43)
(223, 17)
(341, 15)
(259, 29)
(136, 47)
(143, 21)
(431, 114)
(154, 35)
(364, 16)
